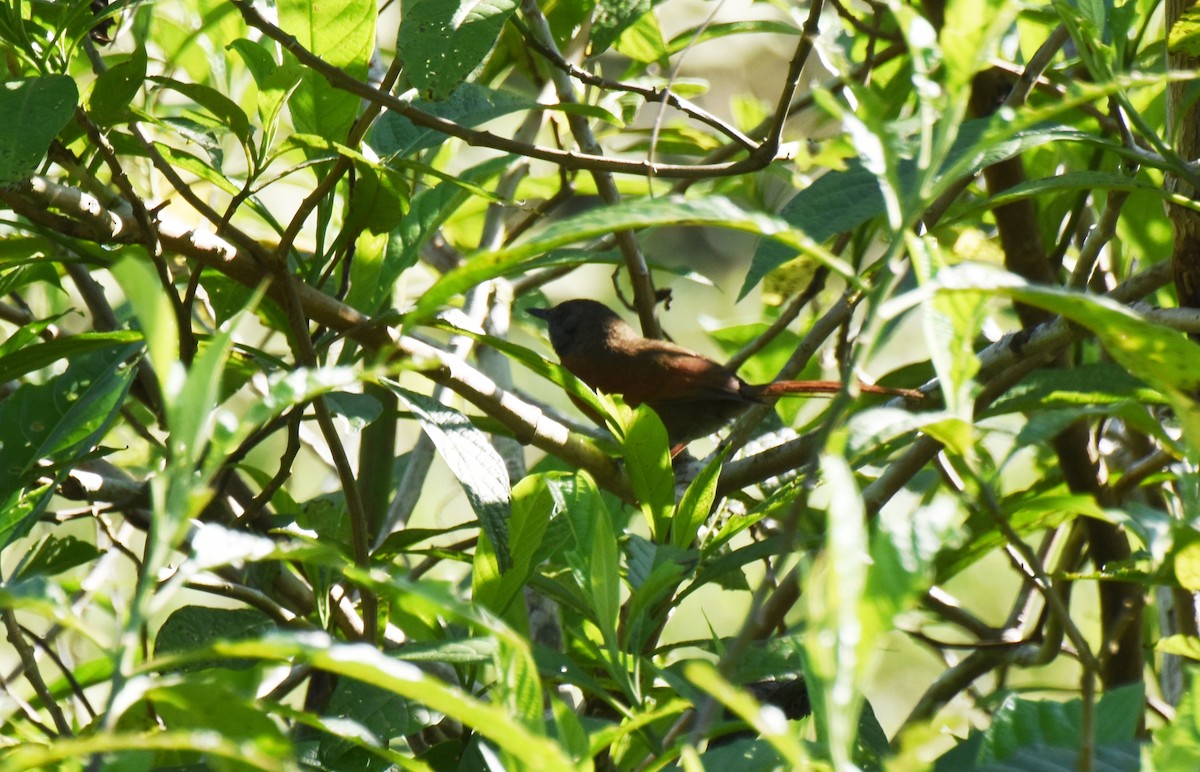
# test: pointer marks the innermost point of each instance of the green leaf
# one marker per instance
(592, 555)
(134, 750)
(373, 278)
(951, 326)
(1182, 645)
(367, 717)
(1095, 383)
(190, 400)
(655, 571)
(62, 418)
(221, 107)
(115, 89)
(20, 510)
(54, 555)
(204, 170)
(569, 730)
(648, 462)
(195, 627)
(275, 82)
(642, 41)
(444, 41)
(35, 110)
(379, 200)
(696, 504)
(45, 353)
(220, 707)
(705, 32)
(613, 18)
(842, 200)
(904, 551)
(519, 685)
(285, 389)
(1065, 183)
(1027, 512)
(470, 105)
(532, 504)
(142, 288)
(342, 32)
(604, 579)
(835, 648)
(969, 36)
(1184, 35)
(473, 460)
(1021, 725)
(1187, 566)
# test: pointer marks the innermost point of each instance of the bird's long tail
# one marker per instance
(784, 388)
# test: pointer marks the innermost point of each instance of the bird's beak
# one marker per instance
(540, 313)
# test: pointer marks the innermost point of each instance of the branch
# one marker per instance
(663, 95)
(810, 32)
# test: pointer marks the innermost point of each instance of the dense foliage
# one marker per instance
(289, 479)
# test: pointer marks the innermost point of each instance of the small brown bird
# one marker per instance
(693, 395)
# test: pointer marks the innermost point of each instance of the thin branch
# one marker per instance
(810, 32)
(1099, 236)
(49, 651)
(663, 95)
(32, 673)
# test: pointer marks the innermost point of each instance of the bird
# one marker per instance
(692, 395)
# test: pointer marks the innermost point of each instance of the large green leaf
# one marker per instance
(696, 504)
(470, 105)
(1177, 744)
(115, 89)
(342, 32)
(193, 627)
(224, 110)
(54, 555)
(836, 651)
(34, 110)
(62, 418)
(1046, 733)
(615, 16)
(479, 468)
(644, 445)
(444, 41)
(532, 505)
(373, 276)
(26, 360)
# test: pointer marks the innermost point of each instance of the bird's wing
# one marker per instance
(682, 375)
